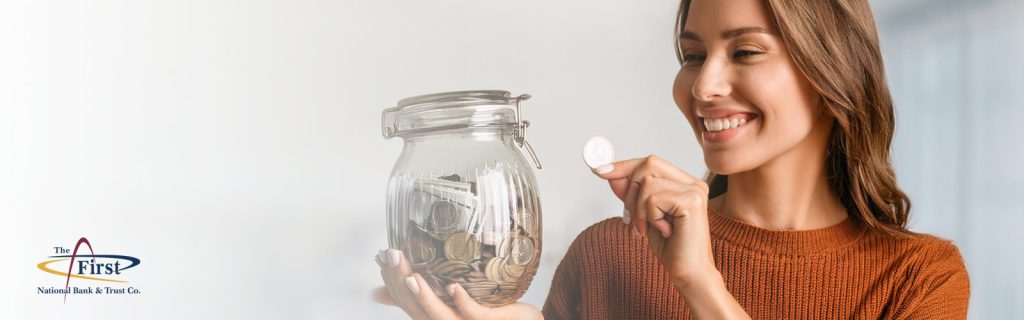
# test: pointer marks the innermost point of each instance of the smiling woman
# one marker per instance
(827, 51)
(799, 216)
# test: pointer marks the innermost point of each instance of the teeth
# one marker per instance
(723, 124)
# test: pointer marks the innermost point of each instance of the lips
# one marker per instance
(726, 127)
(716, 113)
(725, 122)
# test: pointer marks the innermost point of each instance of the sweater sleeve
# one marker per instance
(941, 290)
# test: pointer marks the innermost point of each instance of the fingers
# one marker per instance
(659, 220)
(648, 210)
(651, 164)
(385, 274)
(639, 222)
(466, 304)
(656, 166)
(618, 177)
(428, 300)
(622, 169)
(394, 270)
(656, 241)
(662, 201)
(619, 187)
(627, 176)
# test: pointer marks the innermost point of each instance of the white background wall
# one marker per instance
(957, 78)
(234, 146)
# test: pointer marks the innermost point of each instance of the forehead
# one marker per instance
(707, 18)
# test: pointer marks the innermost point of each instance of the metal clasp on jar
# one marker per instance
(520, 134)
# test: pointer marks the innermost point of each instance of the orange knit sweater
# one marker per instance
(843, 271)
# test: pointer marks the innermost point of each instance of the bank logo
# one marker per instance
(98, 269)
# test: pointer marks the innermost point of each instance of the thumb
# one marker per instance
(619, 187)
(619, 170)
(467, 306)
(618, 176)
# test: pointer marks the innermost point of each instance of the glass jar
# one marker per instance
(462, 199)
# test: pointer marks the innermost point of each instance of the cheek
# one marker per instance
(681, 93)
(780, 92)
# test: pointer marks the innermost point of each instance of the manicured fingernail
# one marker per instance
(625, 216)
(413, 286)
(605, 169)
(393, 257)
(451, 290)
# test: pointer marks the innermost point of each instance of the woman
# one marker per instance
(800, 215)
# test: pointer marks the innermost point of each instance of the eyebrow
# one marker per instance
(727, 34)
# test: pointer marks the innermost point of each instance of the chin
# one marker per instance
(724, 164)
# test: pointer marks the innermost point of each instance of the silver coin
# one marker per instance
(598, 151)
(461, 246)
(444, 216)
(522, 250)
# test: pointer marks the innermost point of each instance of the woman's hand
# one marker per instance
(407, 290)
(670, 206)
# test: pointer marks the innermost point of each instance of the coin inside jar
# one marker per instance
(505, 248)
(522, 250)
(421, 246)
(420, 251)
(494, 270)
(456, 202)
(450, 270)
(461, 246)
(444, 216)
(512, 271)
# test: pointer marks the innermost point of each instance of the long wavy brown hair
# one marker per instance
(835, 45)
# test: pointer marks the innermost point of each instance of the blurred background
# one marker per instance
(234, 146)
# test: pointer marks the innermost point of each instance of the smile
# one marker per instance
(730, 122)
(721, 130)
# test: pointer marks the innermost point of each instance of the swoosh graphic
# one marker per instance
(67, 283)
(42, 266)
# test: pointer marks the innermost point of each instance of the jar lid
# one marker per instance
(451, 110)
(457, 110)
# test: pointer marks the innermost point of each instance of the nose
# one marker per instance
(712, 82)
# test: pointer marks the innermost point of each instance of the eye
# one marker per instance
(745, 53)
(689, 58)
